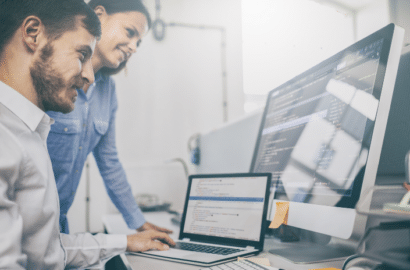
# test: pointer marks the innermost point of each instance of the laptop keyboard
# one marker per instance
(205, 248)
(238, 265)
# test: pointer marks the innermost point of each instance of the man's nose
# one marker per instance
(88, 72)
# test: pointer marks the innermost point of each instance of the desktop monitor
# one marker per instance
(322, 132)
(397, 136)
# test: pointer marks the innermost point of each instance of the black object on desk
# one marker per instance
(392, 253)
(115, 263)
(176, 220)
(151, 202)
(389, 242)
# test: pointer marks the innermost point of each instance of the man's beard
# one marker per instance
(48, 83)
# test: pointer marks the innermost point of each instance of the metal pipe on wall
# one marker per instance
(158, 29)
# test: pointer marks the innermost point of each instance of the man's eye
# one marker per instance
(130, 32)
(83, 56)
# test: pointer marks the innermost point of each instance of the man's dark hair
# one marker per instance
(58, 17)
(119, 6)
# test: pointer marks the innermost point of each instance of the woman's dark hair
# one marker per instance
(58, 17)
(119, 6)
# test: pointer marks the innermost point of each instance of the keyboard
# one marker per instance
(205, 248)
(238, 265)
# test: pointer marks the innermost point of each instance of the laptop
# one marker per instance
(224, 218)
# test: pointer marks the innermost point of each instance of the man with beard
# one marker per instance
(45, 51)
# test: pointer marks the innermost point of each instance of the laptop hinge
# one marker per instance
(250, 247)
(185, 239)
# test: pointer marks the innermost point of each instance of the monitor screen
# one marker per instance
(397, 138)
(317, 129)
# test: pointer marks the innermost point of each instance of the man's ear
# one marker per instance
(32, 31)
(100, 11)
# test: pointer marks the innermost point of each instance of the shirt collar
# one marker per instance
(98, 76)
(43, 127)
(24, 109)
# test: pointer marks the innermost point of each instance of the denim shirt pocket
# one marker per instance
(101, 126)
(63, 139)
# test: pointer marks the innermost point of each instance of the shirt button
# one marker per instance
(80, 147)
(65, 129)
(76, 171)
(84, 125)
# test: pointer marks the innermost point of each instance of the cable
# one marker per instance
(349, 259)
(180, 160)
(382, 226)
(159, 29)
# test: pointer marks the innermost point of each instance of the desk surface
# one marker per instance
(115, 224)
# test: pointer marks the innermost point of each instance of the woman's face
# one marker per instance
(121, 35)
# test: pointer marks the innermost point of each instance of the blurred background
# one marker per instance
(208, 66)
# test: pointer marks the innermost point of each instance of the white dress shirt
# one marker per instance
(29, 205)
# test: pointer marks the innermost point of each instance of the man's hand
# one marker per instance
(147, 240)
(150, 226)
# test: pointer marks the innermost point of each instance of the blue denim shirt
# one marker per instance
(90, 128)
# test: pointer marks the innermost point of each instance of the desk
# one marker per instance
(114, 223)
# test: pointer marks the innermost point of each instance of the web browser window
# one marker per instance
(226, 207)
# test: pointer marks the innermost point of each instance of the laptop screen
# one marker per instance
(228, 206)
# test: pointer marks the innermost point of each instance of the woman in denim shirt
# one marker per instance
(91, 126)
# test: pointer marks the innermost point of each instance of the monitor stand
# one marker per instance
(307, 247)
(312, 253)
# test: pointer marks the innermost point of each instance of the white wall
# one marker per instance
(283, 38)
(372, 17)
(229, 149)
(379, 13)
(400, 14)
(172, 90)
(174, 87)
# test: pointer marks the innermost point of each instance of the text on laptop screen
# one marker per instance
(226, 207)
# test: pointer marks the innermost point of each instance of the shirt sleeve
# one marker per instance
(11, 225)
(91, 251)
(113, 173)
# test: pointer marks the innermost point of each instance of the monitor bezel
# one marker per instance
(387, 34)
(224, 240)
